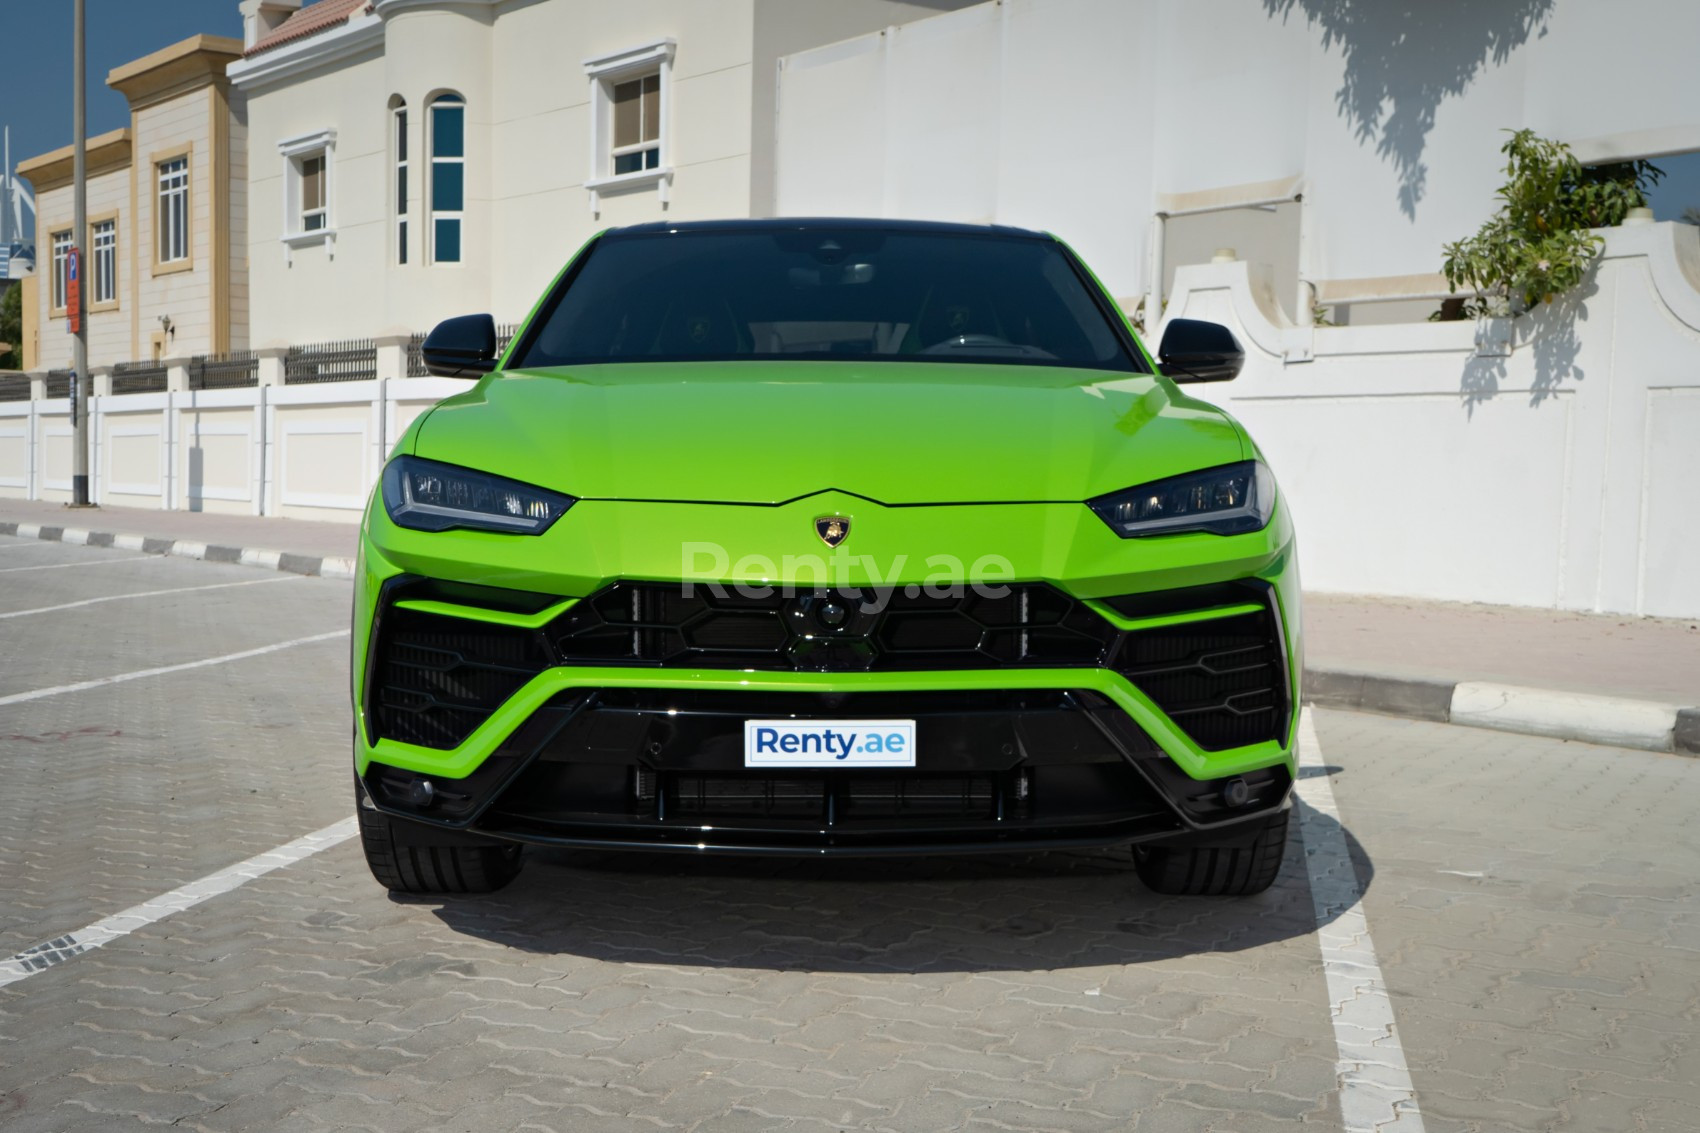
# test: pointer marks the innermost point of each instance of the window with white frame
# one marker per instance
(173, 209)
(398, 130)
(630, 109)
(61, 268)
(307, 174)
(448, 176)
(103, 277)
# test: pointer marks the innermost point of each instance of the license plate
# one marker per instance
(829, 743)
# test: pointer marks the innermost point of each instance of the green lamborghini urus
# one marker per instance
(825, 537)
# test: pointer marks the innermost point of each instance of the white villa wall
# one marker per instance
(1088, 117)
(1417, 463)
(541, 97)
(527, 102)
(319, 292)
(528, 155)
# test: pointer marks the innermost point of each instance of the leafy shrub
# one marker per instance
(1538, 244)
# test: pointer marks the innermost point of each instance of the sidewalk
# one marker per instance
(297, 536)
(1604, 678)
(1596, 654)
(298, 546)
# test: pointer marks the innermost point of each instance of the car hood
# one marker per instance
(767, 432)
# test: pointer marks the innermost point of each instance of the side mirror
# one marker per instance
(1197, 351)
(461, 347)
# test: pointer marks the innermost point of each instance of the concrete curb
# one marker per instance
(1614, 720)
(315, 565)
(1618, 721)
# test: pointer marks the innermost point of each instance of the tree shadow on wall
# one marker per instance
(1403, 57)
(1550, 335)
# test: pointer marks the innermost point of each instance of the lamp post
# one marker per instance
(77, 296)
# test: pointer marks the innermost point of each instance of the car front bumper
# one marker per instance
(648, 755)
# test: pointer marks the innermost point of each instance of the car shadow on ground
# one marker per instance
(940, 914)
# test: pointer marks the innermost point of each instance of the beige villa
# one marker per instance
(162, 274)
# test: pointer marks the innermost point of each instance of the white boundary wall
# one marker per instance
(303, 451)
(1553, 462)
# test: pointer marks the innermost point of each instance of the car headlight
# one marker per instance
(428, 496)
(1229, 500)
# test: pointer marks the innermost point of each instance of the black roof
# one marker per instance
(796, 223)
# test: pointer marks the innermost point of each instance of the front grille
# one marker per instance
(831, 630)
(437, 678)
(1222, 680)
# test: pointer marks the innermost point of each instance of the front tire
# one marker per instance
(413, 864)
(1215, 871)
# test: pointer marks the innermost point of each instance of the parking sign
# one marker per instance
(74, 289)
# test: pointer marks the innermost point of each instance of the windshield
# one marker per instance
(823, 293)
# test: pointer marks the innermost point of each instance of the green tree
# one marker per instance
(1538, 244)
(12, 326)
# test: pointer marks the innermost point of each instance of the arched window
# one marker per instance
(448, 176)
(398, 148)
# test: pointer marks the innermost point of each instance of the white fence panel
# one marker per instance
(16, 420)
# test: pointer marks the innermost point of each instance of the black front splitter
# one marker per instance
(714, 841)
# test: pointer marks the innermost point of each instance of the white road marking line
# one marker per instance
(102, 932)
(80, 686)
(79, 563)
(143, 594)
(1376, 1093)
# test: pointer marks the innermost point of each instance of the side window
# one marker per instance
(448, 177)
(398, 143)
(173, 210)
(61, 268)
(104, 276)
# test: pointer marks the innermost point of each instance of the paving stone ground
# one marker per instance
(1534, 904)
(1536, 907)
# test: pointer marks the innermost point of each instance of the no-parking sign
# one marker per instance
(74, 289)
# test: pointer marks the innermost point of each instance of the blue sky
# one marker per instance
(36, 98)
(1680, 189)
